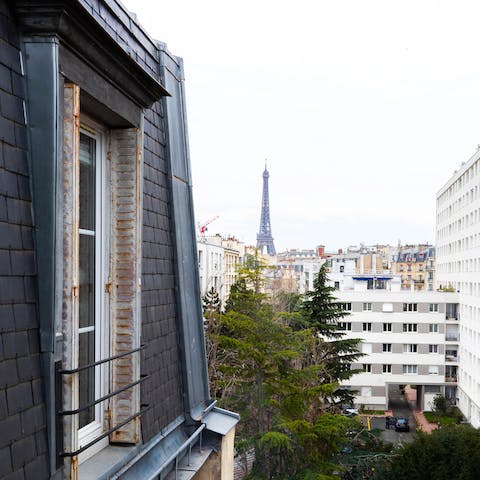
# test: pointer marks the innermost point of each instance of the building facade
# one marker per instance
(406, 337)
(416, 265)
(103, 371)
(458, 267)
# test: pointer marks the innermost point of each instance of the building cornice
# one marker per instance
(79, 31)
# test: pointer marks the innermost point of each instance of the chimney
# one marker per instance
(321, 251)
(340, 251)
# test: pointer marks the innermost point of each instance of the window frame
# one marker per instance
(88, 127)
(410, 348)
(407, 367)
(433, 308)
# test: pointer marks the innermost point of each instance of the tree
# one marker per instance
(261, 372)
(451, 452)
(321, 313)
(211, 302)
(212, 324)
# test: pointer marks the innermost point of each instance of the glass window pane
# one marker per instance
(86, 274)
(86, 379)
(87, 182)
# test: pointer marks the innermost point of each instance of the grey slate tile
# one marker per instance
(19, 397)
(23, 451)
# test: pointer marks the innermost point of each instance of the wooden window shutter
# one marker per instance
(126, 199)
(71, 139)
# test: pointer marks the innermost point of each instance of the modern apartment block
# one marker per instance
(102, 355)
(407, 338)
(458, 269)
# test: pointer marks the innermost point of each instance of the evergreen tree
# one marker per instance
(320, 308)
(261, 372)
(321, 313)
(211, 301)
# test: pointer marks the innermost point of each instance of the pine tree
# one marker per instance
(211, 301)
(321, 313)
(261, 372)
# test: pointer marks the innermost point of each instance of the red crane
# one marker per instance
(202, 228)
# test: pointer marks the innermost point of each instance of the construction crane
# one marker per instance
(202, 228)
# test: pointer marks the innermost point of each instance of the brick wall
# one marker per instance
(159, 330)
(23, 446)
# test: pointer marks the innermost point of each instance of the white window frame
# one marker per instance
(433, 307)
(387, 327)
(367, 306)
(387, 368)
(410, 327)
(410, 369)
(433, 348)
(386, 347)
(102, 311)
(410, 348)
(367, 367)
(367, 327)
(433, 328)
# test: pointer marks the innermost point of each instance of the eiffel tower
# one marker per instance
(264, 235)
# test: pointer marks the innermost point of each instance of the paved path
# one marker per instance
(411, 396)
(399, 407)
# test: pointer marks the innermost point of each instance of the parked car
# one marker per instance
(402, 425)
(349, 411)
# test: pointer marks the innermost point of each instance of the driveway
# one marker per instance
(400, 408)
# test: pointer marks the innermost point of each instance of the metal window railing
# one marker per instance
(61, 413)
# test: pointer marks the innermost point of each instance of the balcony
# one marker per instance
(452, 358)
(450, 379)
(452, 337)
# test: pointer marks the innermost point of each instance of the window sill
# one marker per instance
(107, 461)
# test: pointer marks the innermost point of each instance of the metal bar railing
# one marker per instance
(100, 362)
(61, 413)
(105, 434)
(105, 397)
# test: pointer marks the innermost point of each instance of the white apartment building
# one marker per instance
(218, 259)
(407, 338)
(458, 268)
(301, 265)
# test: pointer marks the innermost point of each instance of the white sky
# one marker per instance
(363, 108)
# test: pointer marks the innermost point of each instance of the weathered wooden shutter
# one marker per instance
(71, 139)
(125, 159)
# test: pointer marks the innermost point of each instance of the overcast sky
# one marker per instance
(362, 108)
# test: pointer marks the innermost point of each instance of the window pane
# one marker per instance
(86, 294)
(87, 182)
(86, 379)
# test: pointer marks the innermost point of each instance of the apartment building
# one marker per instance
(297, 268)
(458, 269)
(416, 264)
(218, 260)
(407, 337)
